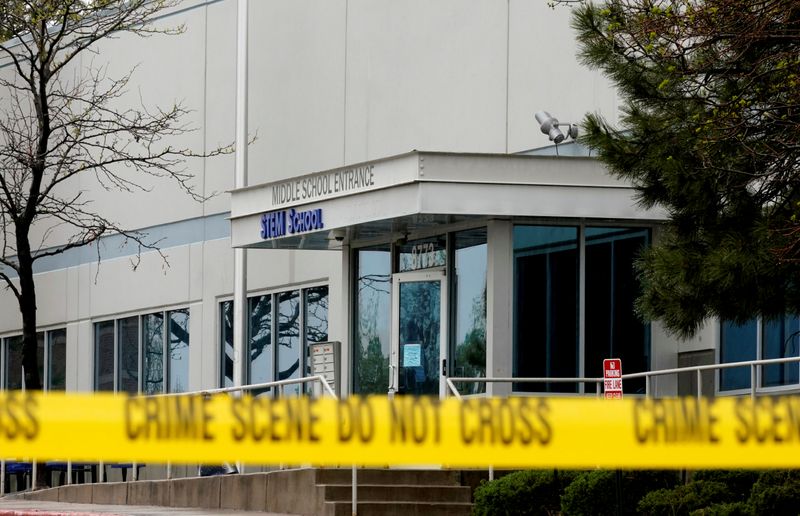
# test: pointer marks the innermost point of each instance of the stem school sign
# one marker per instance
(276, 224)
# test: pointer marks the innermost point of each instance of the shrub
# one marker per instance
(725, 509)
(684, 499)
(595, 492)
(739, 481)
(776, 492)
(522, 493)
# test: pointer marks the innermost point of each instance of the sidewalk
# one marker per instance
(36, 508)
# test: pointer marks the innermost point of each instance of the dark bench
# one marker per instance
(79, 470)
(124, 467)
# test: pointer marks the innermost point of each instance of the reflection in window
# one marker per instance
(40, 355)
(128, 353)
(289, 338)
(178, 372)
(315, 317)
(226, 338)
(546, 305)
(57, 360)
(738, 343)
(613, 330)
(470, 309)
(781, 338)
(153, 347)
(13, 363)
(372, 320)
(260, 366)
(104, 356)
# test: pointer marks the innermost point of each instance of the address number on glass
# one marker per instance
(425, 255)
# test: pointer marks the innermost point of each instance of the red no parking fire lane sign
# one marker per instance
(612, 378)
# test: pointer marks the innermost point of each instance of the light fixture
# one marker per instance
(549, 126)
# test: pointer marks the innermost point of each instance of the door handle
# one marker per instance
(391, 377)
(444, 367)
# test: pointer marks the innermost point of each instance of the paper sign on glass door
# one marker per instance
(412, 355)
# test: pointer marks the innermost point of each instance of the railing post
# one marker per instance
(647, 386)
(2, 477)
(699, 384)
(753, 381)
(34, 471)
(354, 493)
(597, 389)
(69, 472)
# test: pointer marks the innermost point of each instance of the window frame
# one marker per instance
(140, 315)
(274, 294)
(759, 352)
(45, 377)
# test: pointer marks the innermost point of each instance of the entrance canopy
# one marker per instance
(409, 192)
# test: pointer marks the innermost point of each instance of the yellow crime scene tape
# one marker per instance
(515, 432)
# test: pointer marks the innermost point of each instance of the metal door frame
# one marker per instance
(435, 274)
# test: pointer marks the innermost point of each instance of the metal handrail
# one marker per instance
(450, 380)
(647, 375)
(253, 386)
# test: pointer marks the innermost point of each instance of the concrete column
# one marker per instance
(345, 317)
(240, 180)
(499, 304)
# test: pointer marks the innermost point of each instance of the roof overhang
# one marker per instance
(426, 188)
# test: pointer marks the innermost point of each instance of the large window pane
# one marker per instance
(470, 309)
(546, 305)
(57, 359)
(178, 351)
(372, 320)
(261, 361)
(40, 350)
(128, 353)
(153, 348)
(613, 330)
(316, 317)
(226, 340)
(781, 338)
(13, 363)
(289, 342)
(104, 356)
(738, 343)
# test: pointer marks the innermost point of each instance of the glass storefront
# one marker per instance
(554, 296)
(547, 304)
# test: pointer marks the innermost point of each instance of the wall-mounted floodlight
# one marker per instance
(549, 126)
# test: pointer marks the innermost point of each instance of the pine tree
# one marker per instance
(709, 131)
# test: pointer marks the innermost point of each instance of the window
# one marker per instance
(129, 353)
(547, 303)
(469, 338)
(372, 323)
(12, 363)
(51, 356)
(302, 317)
(759, 339)
(613, 330)
(56, 377)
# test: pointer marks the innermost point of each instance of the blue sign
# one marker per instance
(275, 224)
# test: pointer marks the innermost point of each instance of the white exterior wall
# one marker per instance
(332, 82)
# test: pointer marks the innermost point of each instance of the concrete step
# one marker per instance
(399, 509)
(398, 493)
(423, 477)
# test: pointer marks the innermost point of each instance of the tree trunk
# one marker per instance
(27, 307)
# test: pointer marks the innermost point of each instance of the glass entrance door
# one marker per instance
(419, 333)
